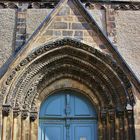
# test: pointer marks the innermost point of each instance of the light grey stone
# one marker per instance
(7, 28)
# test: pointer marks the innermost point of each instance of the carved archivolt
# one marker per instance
(23, 90)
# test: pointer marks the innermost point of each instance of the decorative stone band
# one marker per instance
(126, 7)
(16, 112)
(111, 113)
(39, 4)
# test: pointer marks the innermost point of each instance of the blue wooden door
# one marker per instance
(67, 116)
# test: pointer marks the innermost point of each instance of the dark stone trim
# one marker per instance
(37, 4)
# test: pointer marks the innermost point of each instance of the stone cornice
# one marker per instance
(116, 5)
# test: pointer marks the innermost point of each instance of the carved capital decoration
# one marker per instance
(6, 110)
(120, 113)
(24, 114)
(33, 116)
(16, 112)
(111, 114)
(104, 115)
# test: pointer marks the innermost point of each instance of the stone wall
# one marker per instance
(100, 17)
(34, 18)
(128, 38)
(128, 44)
(7, 26)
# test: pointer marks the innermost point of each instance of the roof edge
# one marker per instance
(13, 56)
(111, 47)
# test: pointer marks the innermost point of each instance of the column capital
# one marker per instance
(16, 112)
(33, 115)
(6, 109)
(103, 114)
(111, 114)
(24, 114)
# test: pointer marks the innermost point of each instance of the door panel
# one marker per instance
(84, 131)
(54, 106)
(52, 131)
(81, 108)
(67, 116)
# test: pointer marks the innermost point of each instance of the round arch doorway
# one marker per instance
(66, 115)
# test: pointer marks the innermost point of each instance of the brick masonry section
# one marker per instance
(111, 24)
(70, 23)
(67, 23)
(21, 30)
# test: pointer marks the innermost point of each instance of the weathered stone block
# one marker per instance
(111, 18)
(64, 11)
(75, 12)
(80, 26)
(78, 33)
(19, 43)
(78, 19)
(112, 24)
(102, 46)
(67, 33)
(56, 33)
(21, 30)
(59, 25)
(58, 18)
(79, 37)
(89, 33)
(20, 24)
(21, 20)
(49, 32)
(20, 37)
(68, 18)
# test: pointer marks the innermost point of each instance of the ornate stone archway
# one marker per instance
(66, 64)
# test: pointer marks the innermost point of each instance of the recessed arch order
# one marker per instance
(67, 64)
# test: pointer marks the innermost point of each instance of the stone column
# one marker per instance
(33, 126)
(0, 123)
(131, 129)
(120, 116)
(104, 124)
(6, 122)
(100, 127)
(25, 125)
(126, 137)
(112, 124)
(116, 127)
(16, 124)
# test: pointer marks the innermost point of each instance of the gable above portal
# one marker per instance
(68, 21)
